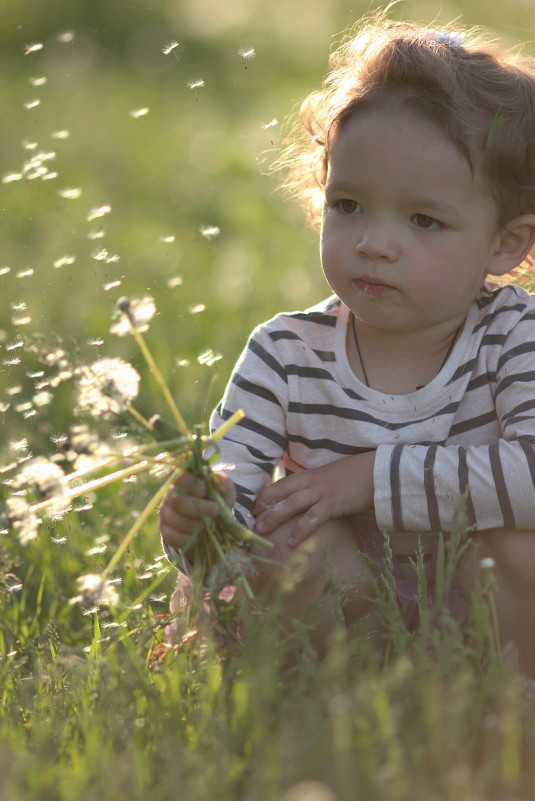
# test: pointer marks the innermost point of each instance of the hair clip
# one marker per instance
(453, 39)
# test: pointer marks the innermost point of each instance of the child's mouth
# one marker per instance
(368, 286)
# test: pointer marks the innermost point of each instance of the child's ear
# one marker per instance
(513, 244)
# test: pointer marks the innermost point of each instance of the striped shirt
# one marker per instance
(471, 429)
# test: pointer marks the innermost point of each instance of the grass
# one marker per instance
(93, 702)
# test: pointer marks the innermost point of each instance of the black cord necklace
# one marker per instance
(355, 339)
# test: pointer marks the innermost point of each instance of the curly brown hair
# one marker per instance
(480, 93)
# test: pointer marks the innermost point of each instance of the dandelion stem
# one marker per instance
(147, 511)
(155, 370)
(138, 416)
(222, 430)
(89, 486)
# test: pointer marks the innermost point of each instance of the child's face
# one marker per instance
(408, 233)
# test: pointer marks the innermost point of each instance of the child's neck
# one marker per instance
(399, 363)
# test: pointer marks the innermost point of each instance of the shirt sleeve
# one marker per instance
(252, 448)
(419, 487)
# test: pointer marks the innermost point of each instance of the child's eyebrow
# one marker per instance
(432, 204)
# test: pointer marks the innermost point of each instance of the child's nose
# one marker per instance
(376, 241)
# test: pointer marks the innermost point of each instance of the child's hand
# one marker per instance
(186, 504)
(314, 496)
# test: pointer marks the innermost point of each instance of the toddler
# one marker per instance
(414, 383)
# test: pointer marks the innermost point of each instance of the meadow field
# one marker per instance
(137, 140)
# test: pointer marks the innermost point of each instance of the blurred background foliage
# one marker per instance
(174, 143)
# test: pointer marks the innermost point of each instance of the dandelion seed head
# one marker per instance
(95, 591)
(15, 345)
(71, 193)
(135, 313)
(210, 231)
(98, 211)
(198, 83)
(106, 387)
(44, 478)
(84, 447)
(139, 112)
(170, 47)
(26, 273)
(208, 357)
(11, 362)
(24, 320)
(20, 519)
(96, 234)
(487, 563)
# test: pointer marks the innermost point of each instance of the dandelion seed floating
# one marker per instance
(95, 591)
(174, 282)
(64, 261)
(170, 47)
(197, 308)
(209, 357)
(60, 134)
(67, 37)
(198, 83)
(11, 177)
(32, 103)
(271, 124)
(98, 211)
(247, 53)
(167, 239)
(70, 194)
(38, 81)
(140, 112)
(33, 48)
(210, 231)
(104, 255)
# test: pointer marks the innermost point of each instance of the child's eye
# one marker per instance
(423, 221)
(347, 206)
